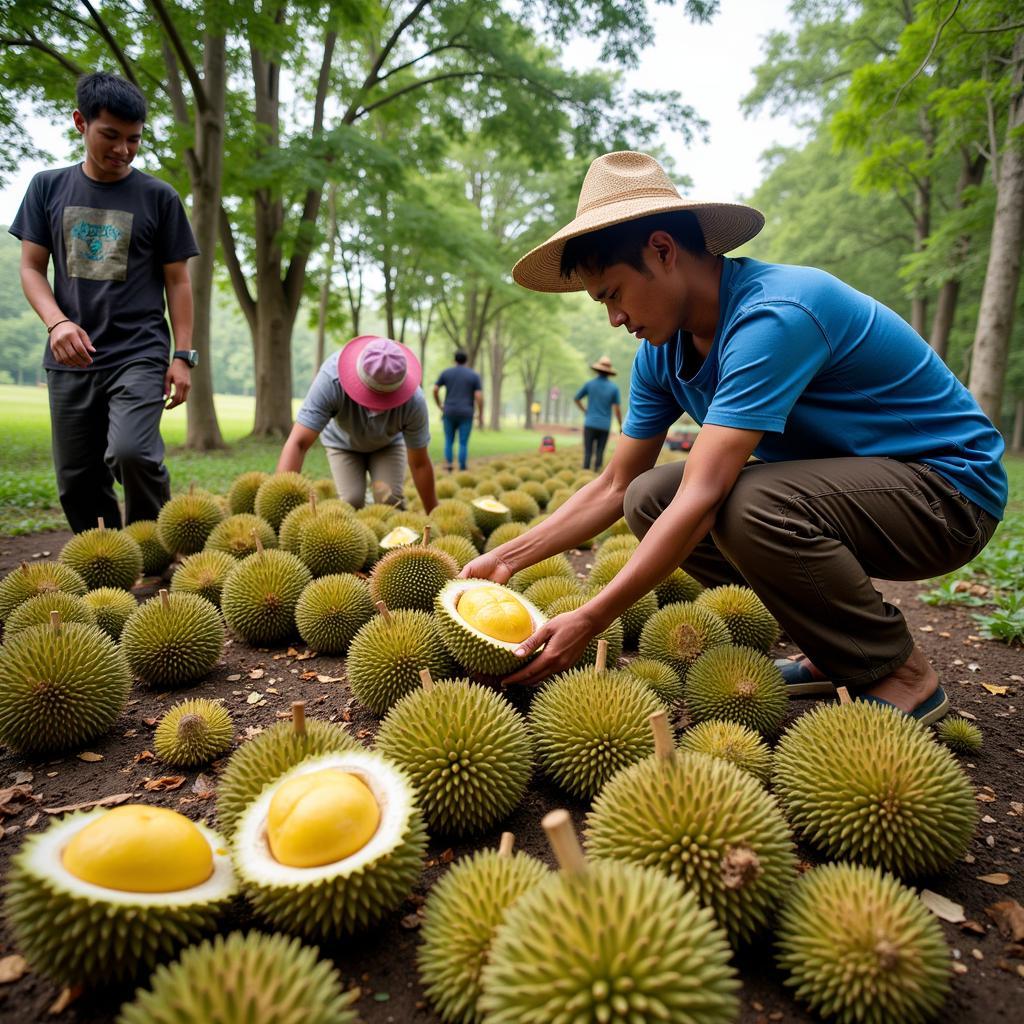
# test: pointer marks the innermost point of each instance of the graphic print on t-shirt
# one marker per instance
(96, 242)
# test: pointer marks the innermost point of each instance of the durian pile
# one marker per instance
(690, 840)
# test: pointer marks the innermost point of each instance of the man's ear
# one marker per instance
(663, 247)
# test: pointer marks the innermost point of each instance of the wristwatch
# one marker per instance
(189, 355)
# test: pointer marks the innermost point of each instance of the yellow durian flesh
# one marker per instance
(497, 613)
(491, 505)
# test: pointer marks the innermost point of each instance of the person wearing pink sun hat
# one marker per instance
(368, 409)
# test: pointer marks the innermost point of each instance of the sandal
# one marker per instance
(934, 708)
(800, 682)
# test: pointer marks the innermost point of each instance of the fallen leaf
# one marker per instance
(150, 721)
(972, 926)
(985, 798)
(306, 656)
(20, 778)
(253, 697)
(1008, 916)
(996, 878)
(90, 756)
(13, 799)
(165, 782)
(255, 730)
(973, 666)
(408, 922)
(65, 999)
(12, 968)
(967, 714)
(328, 679)
(102, 801)
(234, 677)
(257, 673)
(31, 821)
(942, 908)
(203, 787)
(926, 629)
(309, 674)
(994, 689)
(144, 755)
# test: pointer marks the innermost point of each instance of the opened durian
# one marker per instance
(489, 514)
(399, 536)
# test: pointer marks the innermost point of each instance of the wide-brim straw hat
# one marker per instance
(626, 186)
(378, 373)
(604, 365)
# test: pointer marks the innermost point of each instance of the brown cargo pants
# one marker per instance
(809, 536)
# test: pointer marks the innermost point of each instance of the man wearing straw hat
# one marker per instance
(367, 407)
(602, 399)
(873, 460)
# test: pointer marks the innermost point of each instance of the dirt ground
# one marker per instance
(988, 985)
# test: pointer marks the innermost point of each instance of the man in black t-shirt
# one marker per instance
(463, 390)
(120, 241)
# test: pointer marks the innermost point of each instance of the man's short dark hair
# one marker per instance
(625, 243)
(102, 91)
(461, 358)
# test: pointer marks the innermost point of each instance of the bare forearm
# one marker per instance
(292, 457)
(423, 480)
(37, 290)
(179, 307)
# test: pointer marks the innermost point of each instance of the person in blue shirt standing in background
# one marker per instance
(463, 390)
(602, 398)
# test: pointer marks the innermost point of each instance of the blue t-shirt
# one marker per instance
(601, 395)
(460, 383)
(824, 371)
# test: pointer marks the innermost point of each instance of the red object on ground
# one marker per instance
(547, 443)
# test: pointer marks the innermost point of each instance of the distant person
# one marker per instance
(367, 408)
(602, 399)
(120, 243)
(463, 390)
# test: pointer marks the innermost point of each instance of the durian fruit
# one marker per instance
(504, 533)
(483, 623)
(620, 542)
(536, 490)
(859, 946)
(398, 537)
(100, 898)
(678, 634)
(462, 550)
(445, 487)
(611, 634)
(737, 684)
(661, 679)
(279, 494)
(414, 520)
(331, 846)
(749, 622)
(459, 920)
(387, 654)
(234, 535)
(60, 686)
(36, 611)
(203, 574)
(270, 754)
(677, 587)
(608, 565)
(32, 579)
(289, 533)
(173, 639)
(412, 576)
(556, 565)
(544, 591)
(260, 595)
(704, 821)
(865, 782)
(635, 617)
(504, 479)
(521, 506)
(244, 979)
(325, 489)
(375, 513)
(600, 941)
(331, 610)
(187, 520)
(620, 528)
(242, 493)
(104, 558)
(155, 557)
(455, 524)
(466, 478)
(959, 735)
(466, 751)
(731, 742)
(332, 544)
(193, 732)
(112, 608)
(372, 545)
(589, 723)
(377, 526)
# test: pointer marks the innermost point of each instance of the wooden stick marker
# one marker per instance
(428, 683)
(165, 600)
(505, 846)
(601, 661)
(664, 746)
(563, 840)
(256, 540)
(100, 524)
(426, 535)
(844, 695)
(299, 717)
(55, 621)
(383, 609)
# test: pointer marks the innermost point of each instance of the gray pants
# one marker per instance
(106, 426)
(808, 536)
(386, 467)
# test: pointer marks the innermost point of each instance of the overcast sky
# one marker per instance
(708, 65)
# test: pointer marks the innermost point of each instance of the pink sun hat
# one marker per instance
(378, 373)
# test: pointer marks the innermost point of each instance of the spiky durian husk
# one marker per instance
(242, 492)
(104, 558)
(556, 565)
(461, 549)
(331, 610)
(58, 690)
(234, 535)
(466, 751)
(749, 622)
(174, 644)
(155, 557)
(958, 734)
(445, 487)
(612, 633)
(504, 479)
(737, 684)
(506, 532)
(466, 478)
(268, 755)
(193, 732)
(325, 489)
(521, 506)
(537, 490)
(460, 917)
(385, 658)
(112, 608)
(187, 520)
(289, 533)
(661, 679)
(620, 542)
(333, 543)
(241, 979)
(677, 587)
(376, 513)
(36, 612)
(279, 494)
(412, 576)
(453, 524)
(260, 595)
(414, 520)
(615, 942)
(32, 579)
(203, 574)
(587, 725)
(861, 948)
(731, 742)
(545, 591)
(608, 565)
(678, 634)
(865, 782)
(635, 617)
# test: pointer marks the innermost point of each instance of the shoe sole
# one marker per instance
(812, 688)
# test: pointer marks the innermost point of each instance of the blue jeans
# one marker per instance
(462, 424)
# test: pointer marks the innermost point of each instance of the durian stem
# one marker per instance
(55, 622)
(192, 487)
(165, 599)
(428, 683)
(506, 844)
(299, 717)
(312, 501)
(256, 540)
(24, 566)
(602, 655)
(844, 695)
(663, 745)
(426, 535)
(562, 837)
(383, 609)
(100, 524)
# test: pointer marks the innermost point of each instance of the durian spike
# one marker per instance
(844, 695)
(100, 524)
(426, 535)
(299, 717)
(563, 840)
(383, 609)
(506, 844)
(663, 745)
(55, 621)
(164, 599)
(601, 660)
(257, 541)
(425, 679)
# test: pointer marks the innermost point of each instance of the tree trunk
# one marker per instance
(1017, 444)
(325, 286)
(945, 310)
(497, 361)
(1002, 275)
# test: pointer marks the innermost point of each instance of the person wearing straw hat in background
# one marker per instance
(873, 460)
(367, 407)
(602, 399)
